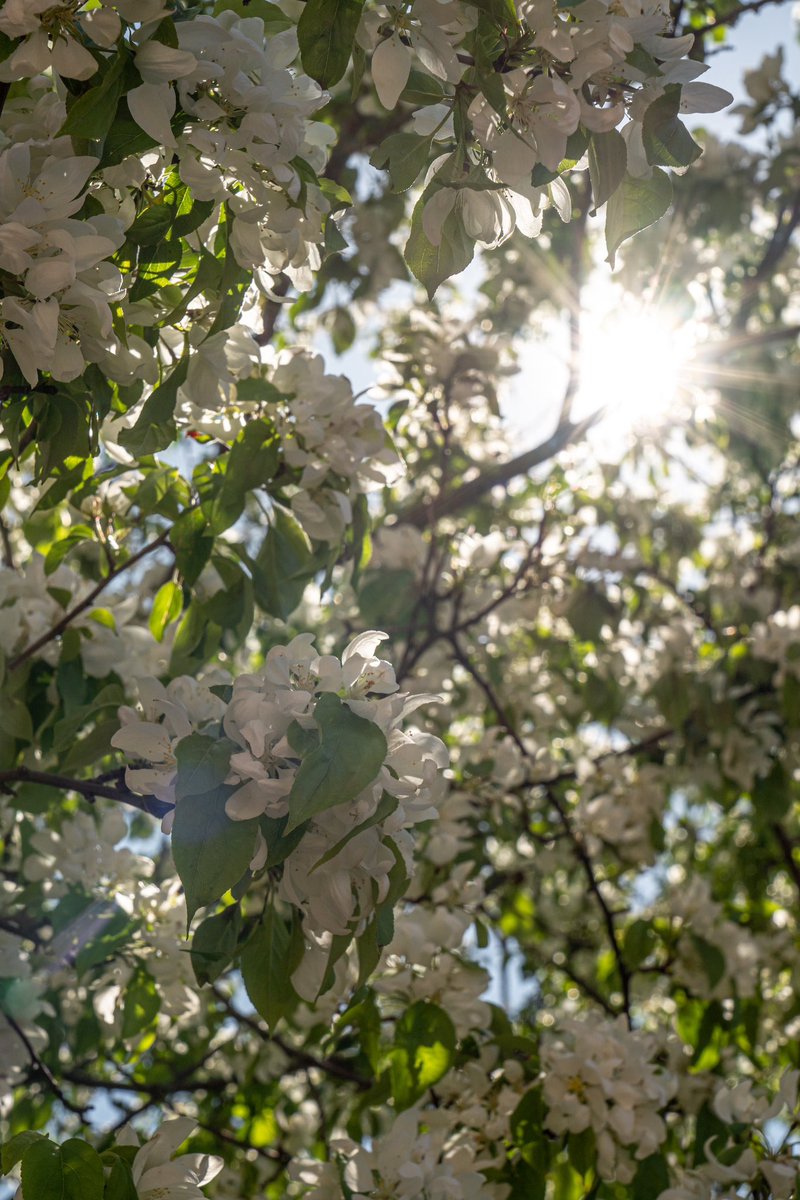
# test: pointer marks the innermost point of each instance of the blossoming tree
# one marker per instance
(313, 705)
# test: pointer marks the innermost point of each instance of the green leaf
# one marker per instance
(109, 928)
(348, 759)
(155, 428)
(582, 1150)
(406, 155)
(91, 115)
(283, 566)
(142, 1004)
(526, 1181)
(638, 943)
(527, 1124)
(279, 846)
(152, 225)
(15, 719)
(636, 204)
(60, 549)
(203, 763)
(192, 544)
(502, 12)
(167, 607)
(72, 1171)
(267, 965)
(211, 852)
(666, 140)
(608, 161)
(712, 958)
(302, 741)
(432, 265)
(214, 943)
(326, 32)
(772, 795)
(652, 1178)
(119, 1181)
(251, 463)
(15, 1147)
(423, 1051)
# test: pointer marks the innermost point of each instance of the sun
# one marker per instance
(632, 365)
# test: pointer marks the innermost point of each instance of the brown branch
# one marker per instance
(574, 836)
(334, 1067)
(498, 475)
(730, 18)
(8, 549)
(41, 1069)
(787, 223)
(787, 850)
(87, 602)
(88, 788)
(157, 1091)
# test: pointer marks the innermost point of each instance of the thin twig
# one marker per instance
(730, 18)
(498, 475)
(41, 1069)
(329, 1066)
(87, 602)
(787, 850)
(88, 788)
(574, 836)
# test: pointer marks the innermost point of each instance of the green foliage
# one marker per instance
(211, 852)
(432, 265)
(423, 1051)
(326, 31)
(269, 957)
(350, 754)
(637, 203)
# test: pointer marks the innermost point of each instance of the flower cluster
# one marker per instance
(420, 1155)
(334, 448)
(249, 122)
(32, 602)
(269, 720)
(602, 1076)
(589, 66)
(59, 316)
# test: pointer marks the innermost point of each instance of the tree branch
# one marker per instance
(458, 498)
(87, 788)
(40, 1068)
(730, 18)
(787, 850)
(334, 1067)
(87, 602)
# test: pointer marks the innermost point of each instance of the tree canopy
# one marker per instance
(399, 767)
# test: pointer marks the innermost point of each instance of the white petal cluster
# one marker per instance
(249, 120)
(415, 968)
(425, 33)
(776, 640)
(257, 719)
(336, 448)
(420, 1157)
(32, 603)
(48, 38)
(601, 1076)
(60, 315)
(158, 1174)
(599, 66)
(764, 1167)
